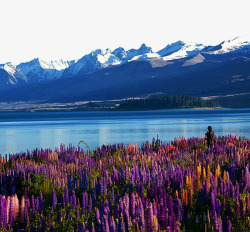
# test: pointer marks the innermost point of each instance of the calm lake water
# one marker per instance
(22, 131)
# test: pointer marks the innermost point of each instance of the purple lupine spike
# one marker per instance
(247, 178)
(83, 203)
(155, 212)
(213, 202)
(169, 229)
(121, 205)
(106, 224)
(66, 195)
(97, 213)
(132, 204)
(237, 191)
(101, 187)
(121, 225)
(112, 195)
(112, 224)
(41, 202)
(179, 207)
(37, 205)
(77, 213)
(33, 203)
(73, 199)
(170, 204)
(86, 199)
(105, 190)
(142, 222)
(126, 219)
(54, 199)
(150, 218)
(215, 220)
(126, 201)
(27, 202)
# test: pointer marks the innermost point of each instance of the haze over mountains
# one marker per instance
(179, 68)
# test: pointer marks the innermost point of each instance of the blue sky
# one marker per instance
(53, 29)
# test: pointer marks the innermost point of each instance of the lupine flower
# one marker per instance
(54, 199)
(130, 186)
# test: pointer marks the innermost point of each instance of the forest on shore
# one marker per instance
(167, 102)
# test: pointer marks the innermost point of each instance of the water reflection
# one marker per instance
(21, 131)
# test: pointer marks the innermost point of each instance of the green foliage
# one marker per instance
(202, 146)
(167, 102)
(87, 146)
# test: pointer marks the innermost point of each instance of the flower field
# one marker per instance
(177, 186)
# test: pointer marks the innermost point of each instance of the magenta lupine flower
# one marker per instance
(229, 226)
(169, 229)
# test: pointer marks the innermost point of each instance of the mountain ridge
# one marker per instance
(38, 70)
(184, 69)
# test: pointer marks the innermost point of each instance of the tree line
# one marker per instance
(167, 102)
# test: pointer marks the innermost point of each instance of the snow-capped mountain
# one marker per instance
(10, 75)
(180, 50)
(93, 61)
(231, 46)
(143, 51)
(38, 70)
(100, 59)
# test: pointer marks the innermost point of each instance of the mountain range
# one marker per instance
(179, 68)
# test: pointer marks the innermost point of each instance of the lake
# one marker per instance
(22, 131)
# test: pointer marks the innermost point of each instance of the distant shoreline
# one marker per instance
(101, 109)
